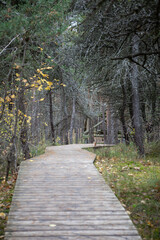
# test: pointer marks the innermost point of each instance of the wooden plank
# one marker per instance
(73, 232)
(61, 195)
(62, 237)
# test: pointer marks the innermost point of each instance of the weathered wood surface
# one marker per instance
(61, 195)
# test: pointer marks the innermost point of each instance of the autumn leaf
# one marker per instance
(16, 66)
(7, 98)
(48, 88)
(40, 88)
(2, 215)
(24, 80)
(52, 225)
(1, 99)
(13, 96)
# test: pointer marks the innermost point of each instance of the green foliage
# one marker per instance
(153, 150)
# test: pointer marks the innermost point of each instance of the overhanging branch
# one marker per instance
(136, 55)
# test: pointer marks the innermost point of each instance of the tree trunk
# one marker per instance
(72, 120)
(135, 98)
(122, 116)
(104, 124)
(51, 117)
(65, 116)
(112, 133)
(91, 134)
(23, 133)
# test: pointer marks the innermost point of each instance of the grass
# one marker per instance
(136, 183)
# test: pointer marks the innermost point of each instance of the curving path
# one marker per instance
(61, 195)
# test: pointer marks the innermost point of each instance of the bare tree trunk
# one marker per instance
(91, 134)
(72, 120)
(51, 116)
(122, 112)
(65, 116)
(24, 130)
(112, 133)
(135, 98)
(104, 123)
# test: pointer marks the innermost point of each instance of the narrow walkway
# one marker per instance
(61, 195)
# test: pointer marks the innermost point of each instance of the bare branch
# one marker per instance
(9, 44)
(136, 55)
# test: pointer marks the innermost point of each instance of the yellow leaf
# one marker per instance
(1, 99)
(52, 225)
(40, 48)
(64, 85)
(13, 96)
(16, 66)
(31, 160)
(48, 67)
(40, 88)
(48, 88)
(2, 215)
(8, 99)
(46, 124)
(42, 99)
(49, 83)
(17, 74)
(24, 80)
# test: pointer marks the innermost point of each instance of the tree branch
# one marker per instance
(136, 55)
(9, 44)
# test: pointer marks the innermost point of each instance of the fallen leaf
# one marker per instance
(137, 168)
(52, 225)
(2, 215)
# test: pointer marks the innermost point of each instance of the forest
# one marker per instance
(79, 71)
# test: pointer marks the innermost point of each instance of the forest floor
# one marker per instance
(6, 193)
(136, 183)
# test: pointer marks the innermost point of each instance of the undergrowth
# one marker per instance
(6, 193)
(136, 182)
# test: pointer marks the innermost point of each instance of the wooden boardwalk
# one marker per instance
(61, 195)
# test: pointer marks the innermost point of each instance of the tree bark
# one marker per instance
(122, 114)
(135, 99)
(51, 116)
(65, 116)
(24, 130)
(104, 124)
(112, 134)
(72, 120)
